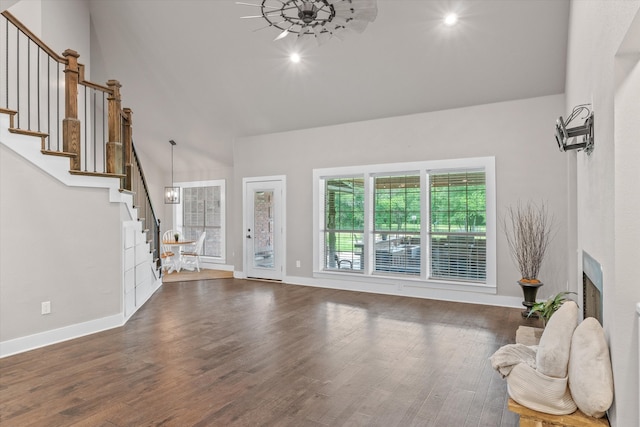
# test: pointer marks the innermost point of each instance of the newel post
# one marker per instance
(114, 144)
(127, 140)
(70, 123)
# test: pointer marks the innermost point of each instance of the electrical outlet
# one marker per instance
(298, 263)
(46, 307)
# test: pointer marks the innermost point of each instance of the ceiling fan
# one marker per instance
(321, 19)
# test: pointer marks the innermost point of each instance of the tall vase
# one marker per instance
(529, 291)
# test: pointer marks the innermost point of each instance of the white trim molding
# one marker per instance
(54, 336)
(472, 296)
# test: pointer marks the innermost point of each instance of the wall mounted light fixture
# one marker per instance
(172, 194)
(564, 133)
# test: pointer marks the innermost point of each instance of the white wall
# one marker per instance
(55, 247)
(6, 4)
(29, 12)
(61, 24)
(519, 134)
(65, 25)
(607, 230)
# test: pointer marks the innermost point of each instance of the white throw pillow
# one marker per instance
(553, 351)
(590, 374)
(539, 392)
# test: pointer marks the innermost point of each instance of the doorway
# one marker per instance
(264, 201)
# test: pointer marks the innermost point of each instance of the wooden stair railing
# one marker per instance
(96, 133)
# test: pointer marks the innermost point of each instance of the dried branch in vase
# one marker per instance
(528, 229)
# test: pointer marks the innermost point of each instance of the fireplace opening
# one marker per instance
(591, 299)
(591, 288)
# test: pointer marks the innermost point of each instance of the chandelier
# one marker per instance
(320, 19)
(172, 194)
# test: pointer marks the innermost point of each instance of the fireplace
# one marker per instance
(591, 287)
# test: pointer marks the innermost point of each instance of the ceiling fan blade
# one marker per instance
(323, 38)
(269, 15)
(366, 14)
(282, 35)
(270, 25)
(357, 25)
(341, 6)
(362, 4)
(339, 21)
(257, 5)
(304, 29)
(341, 33)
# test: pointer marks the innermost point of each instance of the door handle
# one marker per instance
(248, 236)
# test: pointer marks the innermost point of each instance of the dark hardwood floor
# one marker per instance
(233, 352)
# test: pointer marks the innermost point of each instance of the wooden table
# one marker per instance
(177, 259)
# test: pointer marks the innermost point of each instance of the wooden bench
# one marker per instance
(531, 418)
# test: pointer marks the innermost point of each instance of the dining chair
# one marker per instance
(169, 235)
(167, 257)
(191, 259)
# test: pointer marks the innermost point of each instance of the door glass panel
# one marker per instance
(263, 229)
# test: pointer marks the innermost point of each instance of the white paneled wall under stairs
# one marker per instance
(140, 272)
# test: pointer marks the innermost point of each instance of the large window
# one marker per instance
(371, 221)
(457, 230)
(202, 210)
(396, 225)
(343, 223)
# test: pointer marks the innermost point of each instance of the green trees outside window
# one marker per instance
(344, 222)
(458, 225)
(454, 202)
(396, 214)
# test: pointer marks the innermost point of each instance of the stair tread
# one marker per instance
(8, 111)
(29, 132)
(58, 153)
(99, 174)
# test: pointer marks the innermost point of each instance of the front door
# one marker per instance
(263, 228)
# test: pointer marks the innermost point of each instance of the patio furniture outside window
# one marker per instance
(370, 221)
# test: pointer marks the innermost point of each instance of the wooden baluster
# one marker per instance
(71, 124)
(114, 145)
(127, 146)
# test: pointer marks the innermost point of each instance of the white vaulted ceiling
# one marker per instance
(193, 71)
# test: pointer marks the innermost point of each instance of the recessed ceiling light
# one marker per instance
(451, 19)
(295, 58)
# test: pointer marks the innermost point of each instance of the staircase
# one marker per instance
(77, 133)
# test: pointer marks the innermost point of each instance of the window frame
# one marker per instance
(353, 230)
(373, 229)
(423, 168)
(178, 219)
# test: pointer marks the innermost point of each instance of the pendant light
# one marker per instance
(172, 194)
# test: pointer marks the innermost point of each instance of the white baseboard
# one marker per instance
(210, 265)
(410, 291)
(42, 339)
(404, 290)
